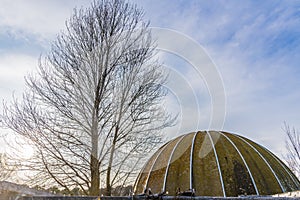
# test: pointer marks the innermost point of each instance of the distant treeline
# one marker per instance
(9, 189)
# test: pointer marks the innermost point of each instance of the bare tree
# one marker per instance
(7, 170)
(133, 118)
(94, 108)
(293, 149)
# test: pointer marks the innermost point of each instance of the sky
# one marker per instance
(251, 47)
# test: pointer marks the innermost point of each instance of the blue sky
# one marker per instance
(253, 44)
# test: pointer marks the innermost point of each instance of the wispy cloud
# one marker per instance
(254, 45)
(27, 29)
(33, 20)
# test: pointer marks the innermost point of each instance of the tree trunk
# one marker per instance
(108, 185)
(111, 156)
(99, 70)
(95, 177)
(94, 164)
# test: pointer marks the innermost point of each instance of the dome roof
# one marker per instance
(215, 163)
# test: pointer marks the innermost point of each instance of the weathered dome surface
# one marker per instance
(215, 164)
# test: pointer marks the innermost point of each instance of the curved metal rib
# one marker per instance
(277, 179)
(250, 174)
(138, 178)
(154, 163)
(218, 164)
(285, 167)
(191, 161)
(169, 161)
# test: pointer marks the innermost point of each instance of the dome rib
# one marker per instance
(276, 177)
(217, 161)
(191, 160)
(242, 157)
(138, 178)
(151, 169)
(296, 182)
(169, 161)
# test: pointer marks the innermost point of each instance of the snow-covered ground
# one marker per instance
(288, 194)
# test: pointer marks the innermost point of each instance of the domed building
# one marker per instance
(214, 163)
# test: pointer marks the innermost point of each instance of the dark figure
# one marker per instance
(190, 192)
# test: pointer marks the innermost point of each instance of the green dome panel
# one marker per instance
(215, 163)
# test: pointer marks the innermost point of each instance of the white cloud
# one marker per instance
(13, 68)
(254, 45)
(27, 28)
(41, 18)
